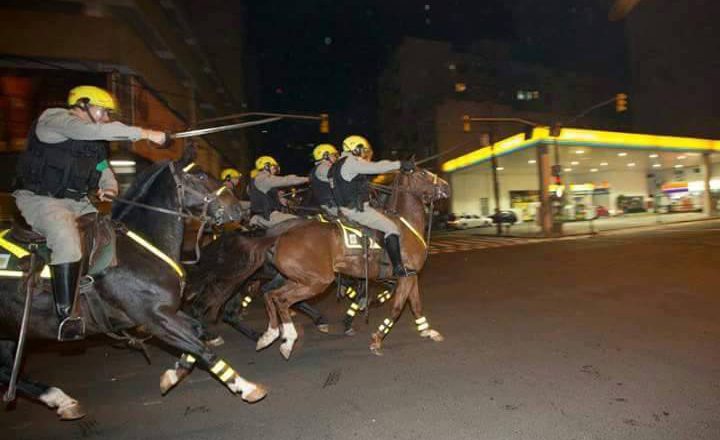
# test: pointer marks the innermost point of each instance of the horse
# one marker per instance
(140, 290)
(310, 254)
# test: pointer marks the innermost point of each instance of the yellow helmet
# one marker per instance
(254, 173)
(320, 152)
(94, 96)
(353, 142)
(230, 173)
(264, 161)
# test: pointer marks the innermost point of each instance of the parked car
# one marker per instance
(508, 217)
(466, 221)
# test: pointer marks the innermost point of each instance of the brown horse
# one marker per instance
(310, 254)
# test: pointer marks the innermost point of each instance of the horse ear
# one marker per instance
(412, 158)
(189, 154)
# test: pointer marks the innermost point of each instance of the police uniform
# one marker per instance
(264, 199)
(351, 188)
(320, 185)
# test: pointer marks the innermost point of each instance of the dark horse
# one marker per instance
(310, 254)
(141, 290)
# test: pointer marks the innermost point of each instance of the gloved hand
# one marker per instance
(407, 166)
(157, 137)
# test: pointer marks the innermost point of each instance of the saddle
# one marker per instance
(97, 234)
(353, 234)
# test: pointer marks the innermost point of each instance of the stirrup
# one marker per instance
(71, 329)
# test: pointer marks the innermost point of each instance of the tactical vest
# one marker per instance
(261, 203)
(351, 194)
(322, 193)
(68, 169)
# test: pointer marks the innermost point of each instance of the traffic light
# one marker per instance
(324, 123)
(466, 123)
(621, 102)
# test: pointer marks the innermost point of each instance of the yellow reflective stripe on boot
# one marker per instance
(351, 293)
(227, 375)
(384, 296)
(246, 301)
(218, 367)
(157, 252)
(422, 323)
(223, 371)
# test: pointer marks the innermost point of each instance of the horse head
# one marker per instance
(203, 194)
(426, 185)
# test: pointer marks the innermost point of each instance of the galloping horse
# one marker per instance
(145, 288)
(310, 254)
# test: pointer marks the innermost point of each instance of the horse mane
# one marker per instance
(139, 188)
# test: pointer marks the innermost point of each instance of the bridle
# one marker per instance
(182, 188)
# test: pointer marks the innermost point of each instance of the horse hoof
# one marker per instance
(286, 350)
(73, 411)
(267, 338)
(377, 351)
(167, 381)
(350, 332)
(256, 395)
(323, 328)
(215, 342)
(433, 335)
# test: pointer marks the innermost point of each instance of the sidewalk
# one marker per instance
(628, 221)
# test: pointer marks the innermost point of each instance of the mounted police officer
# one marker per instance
(325, 155)
(265, 204)
(65, 161)
(351, 188)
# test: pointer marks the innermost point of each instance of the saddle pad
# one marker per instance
(351, 236)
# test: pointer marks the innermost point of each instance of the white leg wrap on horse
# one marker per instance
(242, 386)
(289, 332)
(267, 338)
(56, 398)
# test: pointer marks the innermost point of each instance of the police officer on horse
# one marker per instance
(325, 155)
(265, 205)
(351, 188)
(65, 161)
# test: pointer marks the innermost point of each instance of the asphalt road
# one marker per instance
(612, 337)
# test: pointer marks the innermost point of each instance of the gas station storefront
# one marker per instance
(582, 175)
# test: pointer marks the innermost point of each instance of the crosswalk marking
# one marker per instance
(465, 243)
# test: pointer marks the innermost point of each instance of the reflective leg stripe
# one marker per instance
(384, 296)
(422, 323)
(351, 292)
(386, 326)
(352, 311)
(223, 371)
(246, 301)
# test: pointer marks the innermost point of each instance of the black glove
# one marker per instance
(407, 166)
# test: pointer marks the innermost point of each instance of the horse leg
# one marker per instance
(401, 295)
(273, 330)
(356, 300)
(318, 318)
(292, 292)
(176, 329)
(67, 407)
(421, 322)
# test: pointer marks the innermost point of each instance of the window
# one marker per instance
(527, 95)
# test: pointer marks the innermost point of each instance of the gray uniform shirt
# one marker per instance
(265, 181)
(355, 165)
(321, 171)
(57, 125)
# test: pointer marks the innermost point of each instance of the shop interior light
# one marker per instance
(679, 166)
(593, 170)
(682, 157)
(622, 154)
(500, 168)
(574, 162)
(532, 161)
(656, 165)
(122, 163)
(603, 164)
(652, 155)
(567, 170)
(579, 151)
(631, 164)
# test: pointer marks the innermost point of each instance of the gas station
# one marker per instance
(551, 176)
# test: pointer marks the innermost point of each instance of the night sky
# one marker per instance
(325, 56)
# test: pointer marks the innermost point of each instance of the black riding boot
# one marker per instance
(392, 246)
(65, 285)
